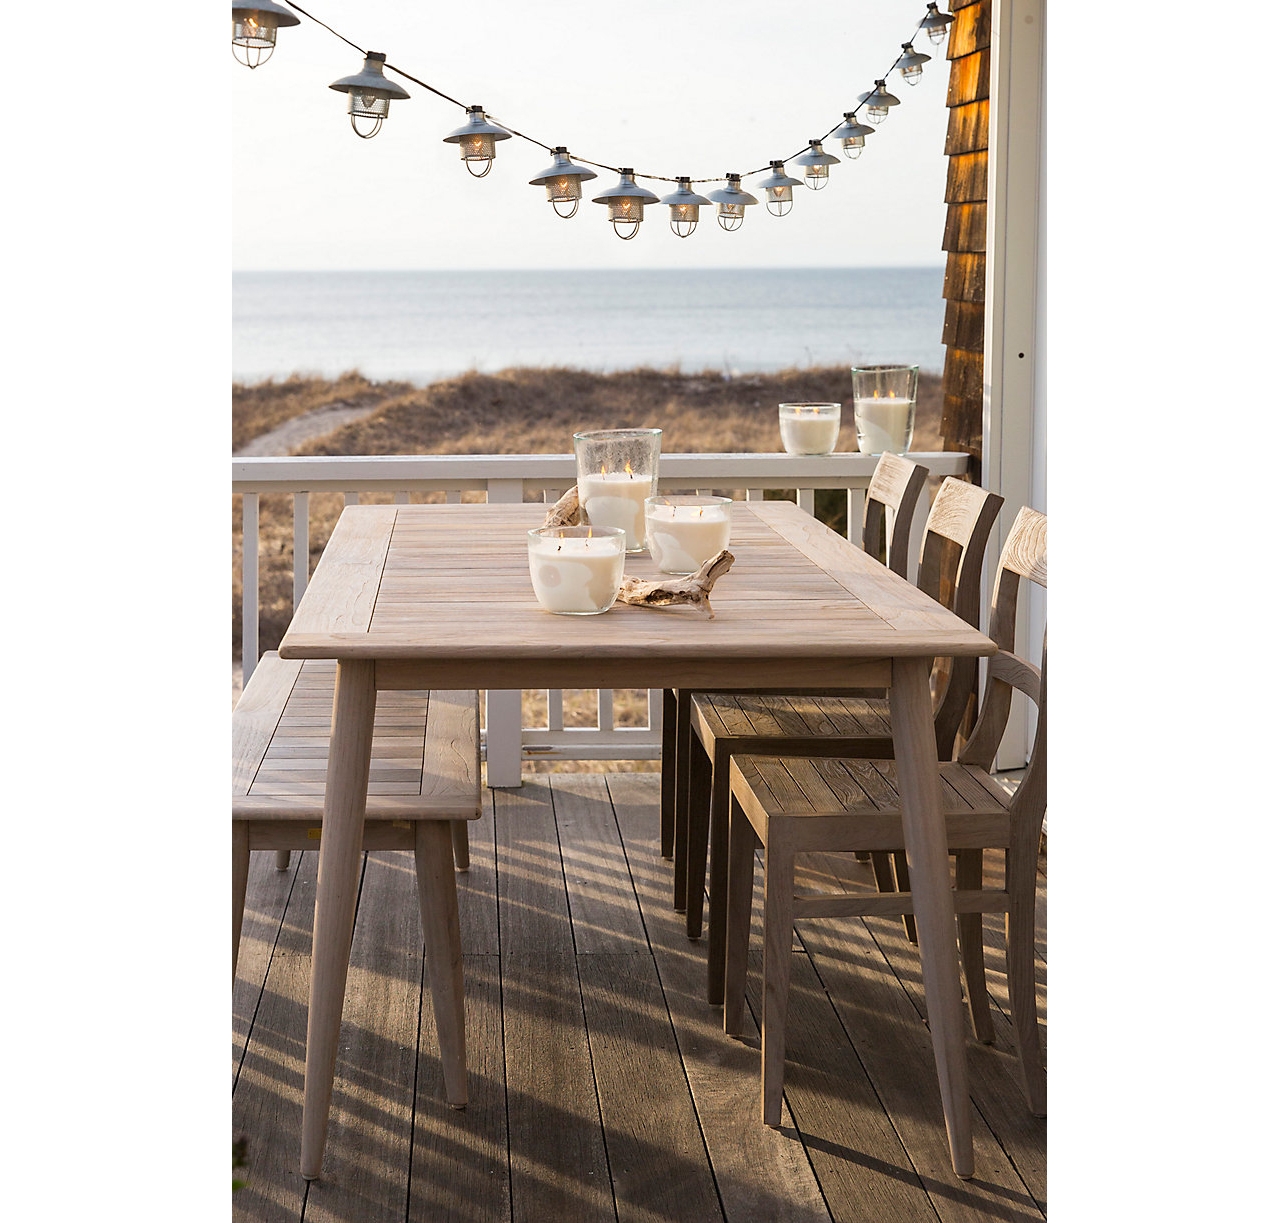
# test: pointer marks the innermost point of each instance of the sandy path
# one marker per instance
(302, 429)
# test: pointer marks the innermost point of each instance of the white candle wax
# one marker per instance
(579, 576)
(882, 424)
(682, 537)
(616, 499)
(806, 431)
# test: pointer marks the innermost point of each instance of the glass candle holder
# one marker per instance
(809, 428)
(686, 532)
(576, 571)
(617, 471)
(884, 407)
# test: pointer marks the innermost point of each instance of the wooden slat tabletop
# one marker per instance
(445, 591)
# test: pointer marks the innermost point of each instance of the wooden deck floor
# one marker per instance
(601, 1084)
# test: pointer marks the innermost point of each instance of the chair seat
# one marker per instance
(777, 716)
(839, 804)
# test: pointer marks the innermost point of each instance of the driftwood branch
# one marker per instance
(695, 589)
(566, 512)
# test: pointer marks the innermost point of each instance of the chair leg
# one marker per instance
(969, 925)
(700, 777)
(737, 917)
(282, 859)
(718, 838)
(438, 906)
(779, 895)
(461, 844)
(239, 886)
(902, 881)
(1020, 935)
(670, 778)
(680, 831)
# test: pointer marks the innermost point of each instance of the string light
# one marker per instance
(626, 204)
(684, 203)
(777, 189)
(253, 30)
(935, 24)
(852, 135)
(877, 102)
(370, 94)
(911, 64)
(563, 180)
(817, 165)
(475, 140)
(733, 202)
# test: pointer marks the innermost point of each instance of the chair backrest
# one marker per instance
(1025, 555)
(890, 505)
(955, 540)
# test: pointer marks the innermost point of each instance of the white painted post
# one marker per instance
(301, 547)
(504, 719)
(249, 588)
(1013, 432)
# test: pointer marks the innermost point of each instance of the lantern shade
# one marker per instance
(626, 203)
(816, 163)
(732, 202)
(369, 81)
(684, 203)
(476, 140)
(934, 23)
(563, 180)
(777, 190)
(253, 30)
(911, 63)
(877, 102)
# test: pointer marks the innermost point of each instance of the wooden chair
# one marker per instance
(792, 805)
(888, 510)
(798, 724)
(424, 785)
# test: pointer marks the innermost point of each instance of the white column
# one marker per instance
(1014, 408)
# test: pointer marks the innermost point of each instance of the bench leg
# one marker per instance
(239, 885)
(461, 845)
(282, 859)
(438, 905)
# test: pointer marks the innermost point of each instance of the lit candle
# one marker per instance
(684, 532)
(616, 499)
(884, 423)
(576, 571)
(809, 428)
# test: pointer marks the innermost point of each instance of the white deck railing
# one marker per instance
(544, 477)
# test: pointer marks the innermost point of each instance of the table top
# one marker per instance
(443, 592)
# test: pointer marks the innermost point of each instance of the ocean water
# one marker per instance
(420, 326)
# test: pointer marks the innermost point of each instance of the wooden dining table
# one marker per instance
(439, 596)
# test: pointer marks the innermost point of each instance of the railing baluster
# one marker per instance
(555, 709)
(655, 710)
(249, 587)
(855, 503)
(301, 547)
(604, 708)
(350, 499)
(804, 499)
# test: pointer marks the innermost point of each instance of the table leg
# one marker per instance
(346, 787)
(916, 752)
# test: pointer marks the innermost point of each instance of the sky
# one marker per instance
(667, 87)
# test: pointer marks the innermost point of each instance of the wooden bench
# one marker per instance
(424, 785)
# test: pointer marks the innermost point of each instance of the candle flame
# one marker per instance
(602, 470)
(628, 470)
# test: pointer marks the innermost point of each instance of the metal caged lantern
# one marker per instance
(878, 101)
(626, 203)
(934, 23)
(563, 180)
(732, 201)
(852, 135)
(476, 139)
(370, 93)
(777, 189)
(253, 30)
(817, 165)
(684, 202)
(911, 64)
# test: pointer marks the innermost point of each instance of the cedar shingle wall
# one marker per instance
(965, 236)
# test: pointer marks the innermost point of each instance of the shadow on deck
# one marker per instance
(602, 1086)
